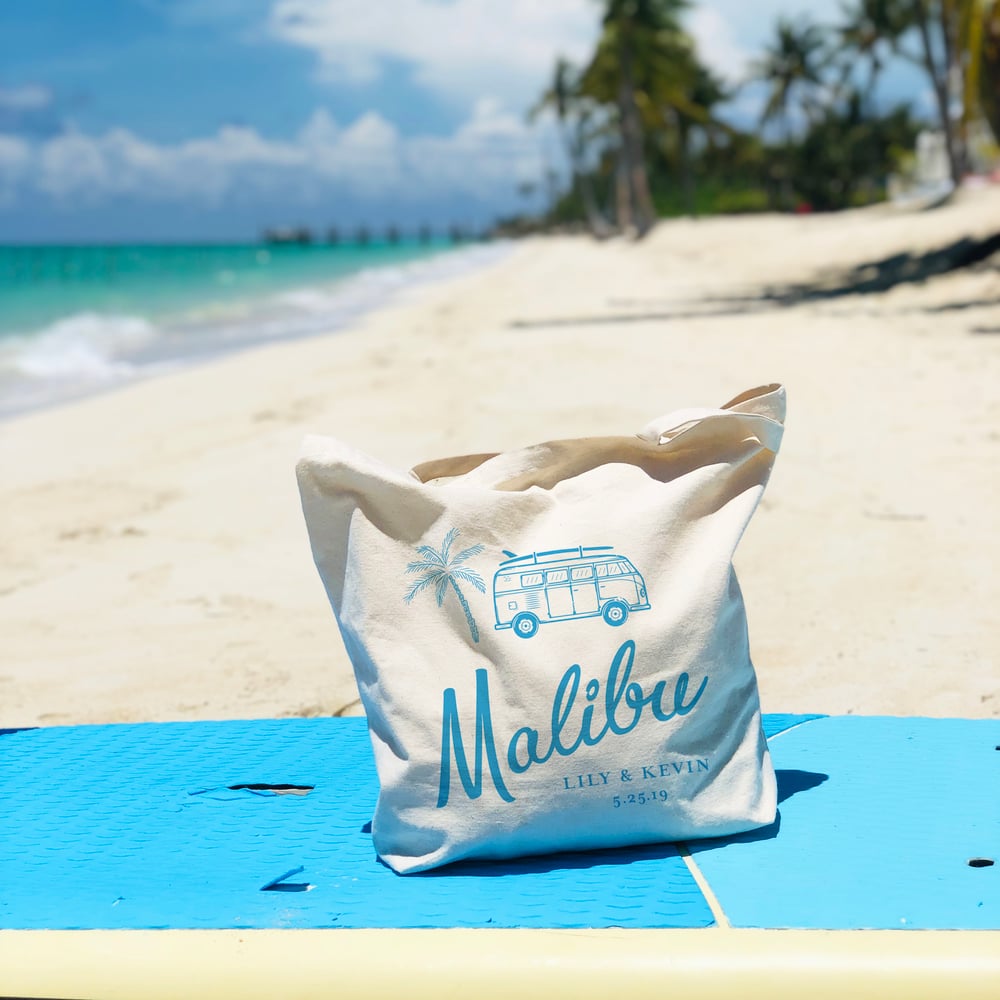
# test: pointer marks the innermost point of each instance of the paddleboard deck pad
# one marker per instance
(235, 858)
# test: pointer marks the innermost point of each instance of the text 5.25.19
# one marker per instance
(640, 798)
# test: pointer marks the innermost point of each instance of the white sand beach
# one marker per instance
(154, 562)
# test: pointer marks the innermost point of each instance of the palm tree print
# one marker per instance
(443, 569)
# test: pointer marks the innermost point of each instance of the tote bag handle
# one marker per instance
(764, 401)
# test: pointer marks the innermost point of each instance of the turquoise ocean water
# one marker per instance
(77, 320)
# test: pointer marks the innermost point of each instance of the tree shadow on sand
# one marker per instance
(870, 278)
(879, 276)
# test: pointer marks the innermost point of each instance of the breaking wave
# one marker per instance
(91, 351)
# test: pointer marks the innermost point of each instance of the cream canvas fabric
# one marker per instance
(550, 644)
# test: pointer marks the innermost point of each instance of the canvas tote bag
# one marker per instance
(550, 644)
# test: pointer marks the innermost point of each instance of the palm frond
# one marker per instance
(446, 544)
(422, 584)
(431, 554)
(423, 566)
(470, 576)
(472, 550)
(442, 588)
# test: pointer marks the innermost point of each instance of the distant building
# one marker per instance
(932, 159)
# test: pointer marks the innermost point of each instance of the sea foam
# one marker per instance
(91, 351)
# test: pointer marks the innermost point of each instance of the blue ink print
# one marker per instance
(442, 569)
(566, 584)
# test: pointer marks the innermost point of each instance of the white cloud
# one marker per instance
(731, 34)
(747, 27)
(468, 50)
(492, 151)
(490, 59)
(463, 50)
(485, 156)
(30, 97)
(71, 163)
(717, 44)
(14, 153)
(15, 156)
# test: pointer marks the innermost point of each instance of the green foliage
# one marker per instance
(711, 198)
(989, 67)
(736, 201)
(642, 125)
(792, 66)
(845, 157)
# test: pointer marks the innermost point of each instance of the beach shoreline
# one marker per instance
(155, 565)
(185, 305)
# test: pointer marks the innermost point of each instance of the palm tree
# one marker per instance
(703, 91)
(573, 114)
(845, 155)
(986, 77)
(955, 52)
(635, 31)
(791, 67)
(869, 28)
(441, 569)
(978, 54)
(937, 21)
(955, 36)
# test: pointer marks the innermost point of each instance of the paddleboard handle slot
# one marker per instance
(282, 789)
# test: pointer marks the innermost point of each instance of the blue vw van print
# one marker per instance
(565, 584)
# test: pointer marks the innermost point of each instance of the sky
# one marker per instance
(150, 120)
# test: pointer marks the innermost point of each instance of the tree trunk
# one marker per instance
(598, 225)
(989, 71)
(623, 193)
(687, 174)
(939, 83)
(954, 64)
(468, 611)
(874, 71)
(632, 142)
(787, 199)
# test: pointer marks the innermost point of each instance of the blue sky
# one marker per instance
(209, 119)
